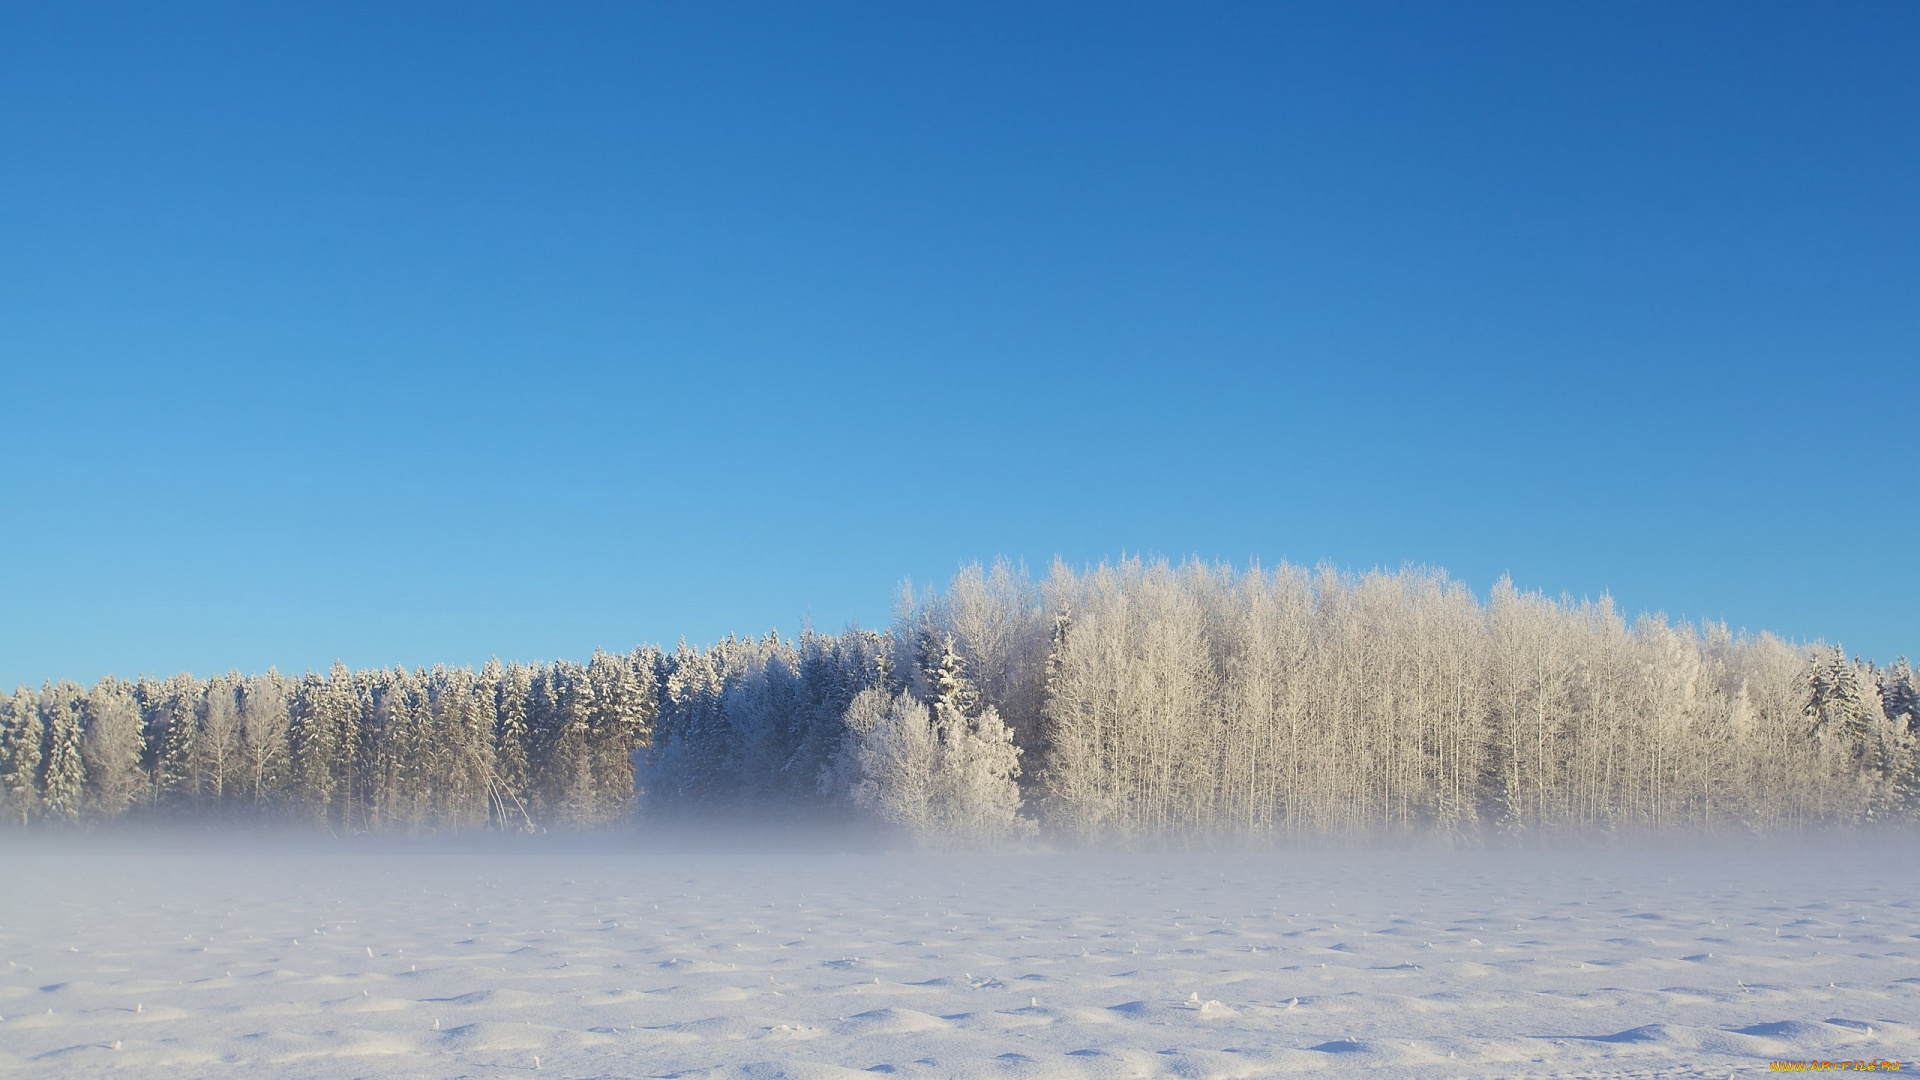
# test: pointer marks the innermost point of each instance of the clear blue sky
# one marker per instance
(408, 333)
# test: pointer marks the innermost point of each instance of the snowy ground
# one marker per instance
(361, 959)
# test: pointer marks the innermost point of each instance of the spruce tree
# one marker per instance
(1900, 695)
(172, 708)
(947, 683)
(564, 770)
(63, 773)
(623, 702)
(309, 750)
(463, 734)
(398, 759)
(975, 798)
(686, 760)
(322, 731)
(513, 769)
(22, 747)
(1900, 699)
(1836, 703)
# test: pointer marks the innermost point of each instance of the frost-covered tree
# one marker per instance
(1850, 723)
(973, 796)
(22, 747)
(215, 750)
(1199, 699)
(399, 758)
(111, 748)
(1900, 695)
(893, 750)
(1138, 699)
(1135, 702)
(943, 771)
(975, 767)
(1900, 700)
(63, 771)
(1837, 702)
(323, 736)
(560, 718)
(512, 772)
(833, 670)
(171, 711)
(1002, 631)
(619, 724)
(462, 767)
(687, 761)
(264, 732)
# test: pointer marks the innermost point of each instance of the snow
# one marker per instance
(596, 959)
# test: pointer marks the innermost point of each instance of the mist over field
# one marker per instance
(1140, 819)
(762, 956)
(489, 588)
(1149, 819)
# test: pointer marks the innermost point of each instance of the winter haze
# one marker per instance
(1029, 541)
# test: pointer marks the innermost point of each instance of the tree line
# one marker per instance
(509, 746)
(1134, 699)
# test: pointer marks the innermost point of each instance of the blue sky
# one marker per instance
(404, 333)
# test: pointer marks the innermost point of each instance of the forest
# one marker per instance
(1136, 700)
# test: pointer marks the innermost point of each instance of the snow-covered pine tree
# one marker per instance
(22, 746)
(462, 760)
(1835, 702)
(1900, 700)
(834, 669)
(543, 724)
(622, 703)
(685, 764)
(973, 797)
(946, 679)
(402, 758)
(824, 693)
(110, 746)
(171, 709)
(560, 717)
(323, 732)
(63, 773)
(1900, 695)
(760, 703)
(1850, 724)
(512, 770)
(310, 746)
(361, 729)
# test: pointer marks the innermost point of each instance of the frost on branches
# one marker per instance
(1134, 699)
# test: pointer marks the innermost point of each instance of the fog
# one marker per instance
(795, 952)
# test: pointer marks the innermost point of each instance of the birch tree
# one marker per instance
(111, 749)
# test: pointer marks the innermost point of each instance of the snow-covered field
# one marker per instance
(361, 959)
